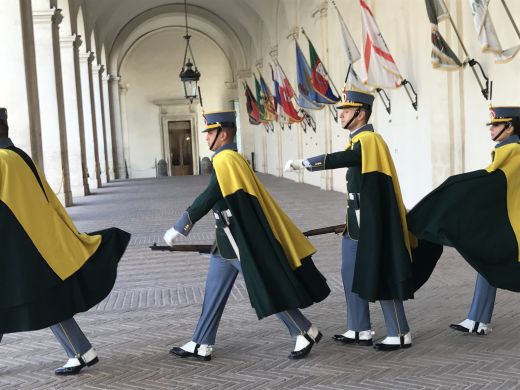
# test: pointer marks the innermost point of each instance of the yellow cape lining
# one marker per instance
(46, 222)
(234, 174)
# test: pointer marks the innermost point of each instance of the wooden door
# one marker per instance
(181, 157)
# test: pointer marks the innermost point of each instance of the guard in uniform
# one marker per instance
(48, 270)
(505, 130)
(375, 247)
(273, 257)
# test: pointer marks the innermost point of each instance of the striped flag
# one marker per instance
(442, 57)
(486, 33)
(252, 106)
(269, 102)
(319, 77)
(352, 55)
(380, 69)
(307, 96)
(285, 94)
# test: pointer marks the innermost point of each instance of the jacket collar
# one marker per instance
(6, 143)
(365, 127)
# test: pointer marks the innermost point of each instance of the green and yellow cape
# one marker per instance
(384, 268)
(478, 213)
(48, 270)
(275, 256)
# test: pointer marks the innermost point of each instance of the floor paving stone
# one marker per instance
(157, 299)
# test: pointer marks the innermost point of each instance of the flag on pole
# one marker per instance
(252, 106)
(269, 102)
(442, 57)
(307, 97)
(284, 95)
(352, 54)
(260, 100)
(380, 69)
(320, 78)
(486, 33)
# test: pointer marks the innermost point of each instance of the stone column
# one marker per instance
(74, 114)
(124, 129)
(85, 61)
(117, 130)
(97, 70)
(19, 91)
(107, 126)
(50, 86)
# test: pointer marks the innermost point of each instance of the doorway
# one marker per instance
(181, 155)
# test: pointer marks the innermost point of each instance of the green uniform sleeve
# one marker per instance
(343, 159)
(206, 200)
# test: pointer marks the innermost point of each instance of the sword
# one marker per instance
(201, 248)
(325, 230)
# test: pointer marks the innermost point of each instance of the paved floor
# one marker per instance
(157, 299)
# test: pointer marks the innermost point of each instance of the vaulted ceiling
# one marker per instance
(242, 28)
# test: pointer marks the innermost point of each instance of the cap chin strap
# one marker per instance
(352, 119)
(501, 131)
(215, 139)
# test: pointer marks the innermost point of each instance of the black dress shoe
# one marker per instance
(73, 370)
(305, 351)
(391, 347)
(348, 340)
(460, 328)
(178, 351)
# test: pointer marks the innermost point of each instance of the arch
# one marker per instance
(172, 15)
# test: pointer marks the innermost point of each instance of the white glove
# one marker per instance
(170, 236)
(293, 165)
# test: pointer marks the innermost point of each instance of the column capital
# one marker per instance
(86, 56)
(115, 78)
(320, 10)
(231, 85)
(57, 17)
(98, 68)
(274, 52)
(244, 73)
(77, 41)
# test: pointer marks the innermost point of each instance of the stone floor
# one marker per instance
(157, 300)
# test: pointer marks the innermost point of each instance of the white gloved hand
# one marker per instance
(293, 165)
(170, 236)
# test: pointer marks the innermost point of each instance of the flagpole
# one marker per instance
(472, 62)
(511, 17)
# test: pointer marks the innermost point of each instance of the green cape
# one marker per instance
(384, 268)
(478, 213)
(48, 270)
(275, 256)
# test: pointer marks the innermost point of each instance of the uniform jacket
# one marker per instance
(275, 257)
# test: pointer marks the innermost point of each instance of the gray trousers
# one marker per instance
(358, 314)
(483, 302)
(70, 336)
(221, 277)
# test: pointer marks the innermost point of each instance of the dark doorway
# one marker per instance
(181, 157)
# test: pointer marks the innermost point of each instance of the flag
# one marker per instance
(252, 106)
(284, 95)
(280, 115)
(442, 56)
(260, 100)
(319, 77)
(269, 102)
(486, 33)
(307, 97)
(352, 55)
(379, 68)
